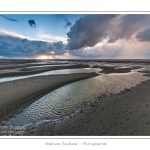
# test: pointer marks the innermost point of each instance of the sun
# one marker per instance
(44, 57)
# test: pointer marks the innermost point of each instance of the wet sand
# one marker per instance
(125, 114)
(108, 69)
(30, 71)
(21, 64)
(13, 66)
(147, 73)
(14, 94)
(16, 61)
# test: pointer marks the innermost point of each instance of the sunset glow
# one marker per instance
(44, 57)
(67, 36)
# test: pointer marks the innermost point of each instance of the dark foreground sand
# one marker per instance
(20, 93)
(127, 113)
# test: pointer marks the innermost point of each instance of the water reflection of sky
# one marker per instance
(68, 98)
(54, 72)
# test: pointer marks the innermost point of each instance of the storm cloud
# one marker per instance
(88, 31)
(92, 29)
(14, 46)
(91, 36)
(24, 40)
(57, 48)
(144, 35)
(127, 26)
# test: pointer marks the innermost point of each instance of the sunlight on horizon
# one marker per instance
(44, 57)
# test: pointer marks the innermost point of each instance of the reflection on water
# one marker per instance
(70, 97)
(54, 72)
(50, 65)
(47, 66)
(49, 61)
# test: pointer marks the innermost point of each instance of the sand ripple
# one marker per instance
(69, 98)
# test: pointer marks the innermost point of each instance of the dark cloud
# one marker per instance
(32, 23)
(4, 45)
(112, 40)
(88, 31)
(125, 26)
(24, 40)
(22, 47)
(57, 47)
(144, 35)
(67, 23)
(10, 19)
(92, 29)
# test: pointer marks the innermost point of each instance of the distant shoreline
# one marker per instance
(88, 59)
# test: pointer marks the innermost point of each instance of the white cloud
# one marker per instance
(13, 34)
(50, 38)
(1, 57)
(16, 45)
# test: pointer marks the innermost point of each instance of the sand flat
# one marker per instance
(19, 92)
(125, 114)
(28, 71)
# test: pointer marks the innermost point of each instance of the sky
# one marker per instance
(75, 36)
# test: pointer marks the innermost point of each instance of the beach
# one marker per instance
(125, 114)
(121, 114)
(14, 94)
(29, 71)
